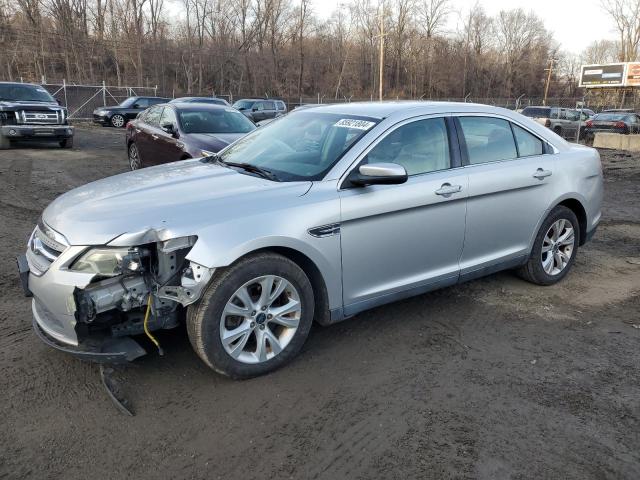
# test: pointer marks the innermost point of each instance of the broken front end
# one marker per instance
(93, 301)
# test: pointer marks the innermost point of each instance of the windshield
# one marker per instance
(300, 146)
(222, 120)
(243, 104)
(24, 93)
(127, 102)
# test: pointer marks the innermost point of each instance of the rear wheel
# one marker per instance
(117, 121)
(554, 249)
(134, 157)
(254, 317)
(4, 143)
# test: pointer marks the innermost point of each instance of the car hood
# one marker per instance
(29, 105)
(215, 138)
(175, 199)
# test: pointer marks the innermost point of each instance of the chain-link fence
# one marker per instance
(82, 100)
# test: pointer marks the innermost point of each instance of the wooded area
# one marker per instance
(283, 48)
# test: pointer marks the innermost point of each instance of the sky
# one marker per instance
(574, 23)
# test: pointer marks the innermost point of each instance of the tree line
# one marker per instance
(284, 48)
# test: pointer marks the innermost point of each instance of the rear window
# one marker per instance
(221, 120)
(488, 139)
(280, 105)
(610, 117)
(537, 112)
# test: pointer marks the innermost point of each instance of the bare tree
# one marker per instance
(626, 16)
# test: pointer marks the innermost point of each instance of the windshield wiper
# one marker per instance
(263, 172)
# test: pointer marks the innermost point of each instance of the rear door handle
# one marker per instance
(447, 189)
(540, 174)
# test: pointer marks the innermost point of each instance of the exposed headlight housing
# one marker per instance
(101, 112)
(108, 262)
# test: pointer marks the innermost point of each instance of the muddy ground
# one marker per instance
(493, 379)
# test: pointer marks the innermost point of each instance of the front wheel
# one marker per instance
(66, 143)
(554, 249)
(254, 316)
(117, 121)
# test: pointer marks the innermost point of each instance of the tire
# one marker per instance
(534, 270)
(135, 161)
(66, 143)
(208, 318)
(5, 143)
(117, 121)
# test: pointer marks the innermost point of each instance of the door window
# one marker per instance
(280, 106)
(488, 139)
(528, 144)
(168, 117)
(269, 106)
(141, 103)
(259, 106)
(555, 113)
(152, 116)
(420, 147)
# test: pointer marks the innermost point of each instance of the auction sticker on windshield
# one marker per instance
(352, 123)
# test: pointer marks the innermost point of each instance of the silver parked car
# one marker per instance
(320, 215)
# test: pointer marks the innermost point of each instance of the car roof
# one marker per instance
(199, 106)
(417, 107)
(177, 99)
(21, 83)
(259, 100)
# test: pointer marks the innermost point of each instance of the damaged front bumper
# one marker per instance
(93, 318)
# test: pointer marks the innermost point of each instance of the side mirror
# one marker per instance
(254, 109)
(170, 129)
(378, 174)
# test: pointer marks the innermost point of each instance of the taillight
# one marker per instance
(620, 125)
(589, 124)
(547, 123)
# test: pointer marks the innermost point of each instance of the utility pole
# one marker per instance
(381, 49)
(546, 87)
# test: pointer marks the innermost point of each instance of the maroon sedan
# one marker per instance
(177, 131)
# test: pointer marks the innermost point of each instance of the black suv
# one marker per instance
(28, 111)
(119, 115)
(258, 109)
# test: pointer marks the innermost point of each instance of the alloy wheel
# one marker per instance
(260, 319)
(134, 157)
(557, 246)
(117, 121)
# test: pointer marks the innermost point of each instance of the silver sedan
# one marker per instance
(319, 215)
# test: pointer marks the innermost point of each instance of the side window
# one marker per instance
(420, 147)
(555, 113)
(280, 106)
(572, 115)
(259, 106)
(152, 116)
(155, 101)
(528, 144)
(141, 103)
(488, 139)
(168, 117)
(269, 106)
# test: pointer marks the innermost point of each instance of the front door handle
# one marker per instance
(155, 137)
(447, 189)
(540, 174)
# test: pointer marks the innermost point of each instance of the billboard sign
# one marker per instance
(610, 75)
(633, 74)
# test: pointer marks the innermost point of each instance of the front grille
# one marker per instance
(48, 117)
(45, 246)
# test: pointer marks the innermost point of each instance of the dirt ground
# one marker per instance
(493, 379)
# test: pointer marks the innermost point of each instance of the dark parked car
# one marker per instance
(177, 131)
(211, 100)
(28, 111)
(257, 109)
(118, 116)
(624, 123)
